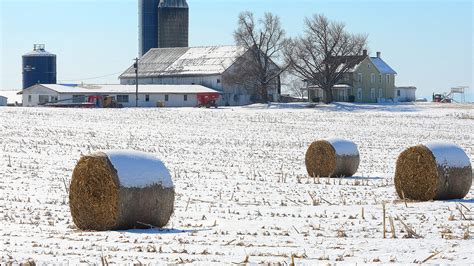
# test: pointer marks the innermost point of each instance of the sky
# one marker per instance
(429, 43)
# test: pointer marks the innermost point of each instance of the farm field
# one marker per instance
(242, 192)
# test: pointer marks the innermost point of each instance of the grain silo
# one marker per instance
(173, 23)
(39, 66)
(162, 24)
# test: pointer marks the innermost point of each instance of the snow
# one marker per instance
(448, 154)
(344, 147)
(241, 186)
(139, 170)
(105, 89)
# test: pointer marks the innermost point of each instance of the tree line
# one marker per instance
(320, 56)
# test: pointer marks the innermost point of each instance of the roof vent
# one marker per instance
(38, 47)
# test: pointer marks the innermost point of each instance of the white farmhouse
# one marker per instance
(204, 66)
(148, 96)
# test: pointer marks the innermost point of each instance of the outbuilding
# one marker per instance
(3, 101)
(148, 95)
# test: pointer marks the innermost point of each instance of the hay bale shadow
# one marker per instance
(158, 231)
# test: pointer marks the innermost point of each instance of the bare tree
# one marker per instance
(324, 53)
(264, 45)
(295, 86)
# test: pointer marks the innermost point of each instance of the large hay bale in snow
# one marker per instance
(332, 158)
(434, 171)
(120, 190)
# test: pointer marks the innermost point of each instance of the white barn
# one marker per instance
(204, 66)
(148, 96)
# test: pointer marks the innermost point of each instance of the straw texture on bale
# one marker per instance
(323, 159)
(99, 202)
(420, 176)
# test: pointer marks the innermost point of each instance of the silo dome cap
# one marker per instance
(173, 4)
(39, 51)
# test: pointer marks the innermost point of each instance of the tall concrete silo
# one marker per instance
(39, 66)
(162, 24)
(173, 23)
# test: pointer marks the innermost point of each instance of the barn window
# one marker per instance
(78, 98)
(147, 98)
(43, 99)
(399, 93)
(218, 81)
(167, 98)
(122, 98)
(29, 98)
(185, 98)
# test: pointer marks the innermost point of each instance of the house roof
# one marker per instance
(383, 67)
(185, 61)
(126, 89)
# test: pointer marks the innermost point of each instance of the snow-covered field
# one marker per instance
(242, 191)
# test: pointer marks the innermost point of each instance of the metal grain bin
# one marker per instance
(39, 66)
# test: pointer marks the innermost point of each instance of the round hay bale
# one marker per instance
(120, 190)
(434, 171)
(332, 158)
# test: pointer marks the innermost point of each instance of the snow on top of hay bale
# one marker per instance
(139, 170)
(448, 154)
(344, 147)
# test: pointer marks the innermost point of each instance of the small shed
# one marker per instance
(3, 101)
(405, 94)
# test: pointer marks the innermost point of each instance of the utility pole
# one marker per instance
(136, 81)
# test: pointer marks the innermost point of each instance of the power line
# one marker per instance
(108, 75)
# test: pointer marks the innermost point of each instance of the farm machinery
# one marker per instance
(95, 101)
(207, 100)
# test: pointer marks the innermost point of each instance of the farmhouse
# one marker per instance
(148, 96)
(369, 80)
(204, 66)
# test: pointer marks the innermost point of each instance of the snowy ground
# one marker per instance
(242, 192)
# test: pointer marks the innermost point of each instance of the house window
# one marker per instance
(372, 78)
(29, 98)
(380, 76)
(122, 98)
(54, 99)
(218, 81)
(359, 77)
(359, 93)
(167, 98)
(388, 79)
(185, 98)
(147, 98)
(372, 93)
(380, 93)
(78, 98)
(399, 93)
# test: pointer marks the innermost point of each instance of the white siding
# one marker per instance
(406, 94)
(31, 97)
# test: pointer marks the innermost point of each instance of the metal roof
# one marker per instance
(125, 89)
(173, 4)
(185, 61)
(383, 67)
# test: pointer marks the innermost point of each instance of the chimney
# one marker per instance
(364, 53)
(378, 54)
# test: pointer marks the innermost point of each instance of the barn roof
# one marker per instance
(185, 61)
(125, 89)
